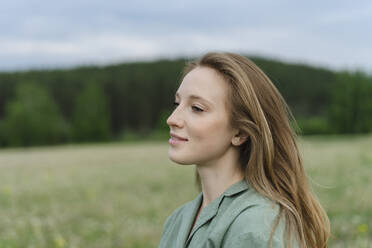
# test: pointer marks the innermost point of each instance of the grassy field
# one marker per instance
(119, 194)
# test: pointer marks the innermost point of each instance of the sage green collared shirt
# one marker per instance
(240, 217)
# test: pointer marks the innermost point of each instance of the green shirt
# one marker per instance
(240, 217)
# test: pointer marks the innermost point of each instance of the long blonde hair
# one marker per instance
(270, 158)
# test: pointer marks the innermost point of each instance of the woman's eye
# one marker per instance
(197, 109)
(193, 107)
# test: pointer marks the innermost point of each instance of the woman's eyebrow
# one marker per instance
(196, 97)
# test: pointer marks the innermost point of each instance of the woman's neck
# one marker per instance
(217, 177)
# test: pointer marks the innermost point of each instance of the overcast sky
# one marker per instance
(39, 34)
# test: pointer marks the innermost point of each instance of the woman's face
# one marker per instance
(202, 121)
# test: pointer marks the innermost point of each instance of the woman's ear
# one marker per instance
(239, 138)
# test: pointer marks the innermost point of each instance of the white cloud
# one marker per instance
(72, 33)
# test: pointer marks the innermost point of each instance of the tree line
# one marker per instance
(93, 103)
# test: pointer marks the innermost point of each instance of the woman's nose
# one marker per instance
(174, 119)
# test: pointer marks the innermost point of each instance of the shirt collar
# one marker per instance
(236, 188)
(210, 210)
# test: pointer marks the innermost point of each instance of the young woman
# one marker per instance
(234, 125)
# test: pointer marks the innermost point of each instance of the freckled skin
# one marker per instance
(208, 132)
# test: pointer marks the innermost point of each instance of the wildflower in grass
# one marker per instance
(59, 242)
(6, 191)
(362, 228)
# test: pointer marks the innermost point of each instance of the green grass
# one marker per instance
(119, 194)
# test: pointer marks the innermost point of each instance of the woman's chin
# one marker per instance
(177, 158)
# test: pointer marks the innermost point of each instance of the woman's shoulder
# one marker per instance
(253, 224)
(259, 213)
(178, 213)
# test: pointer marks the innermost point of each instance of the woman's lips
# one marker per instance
(174, 140)
(173, 135)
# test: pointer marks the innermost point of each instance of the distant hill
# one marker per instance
(140, 94)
